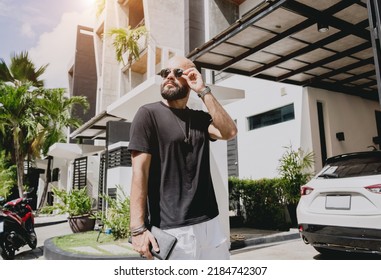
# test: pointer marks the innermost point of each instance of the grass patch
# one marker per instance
(71, 243)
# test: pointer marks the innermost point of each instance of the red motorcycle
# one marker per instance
(16, 227)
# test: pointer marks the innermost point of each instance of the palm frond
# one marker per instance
(5, 74)
(126, 39)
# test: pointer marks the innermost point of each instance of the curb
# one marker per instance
(51, 223)
(49, 220)
(239, 244)
(52, 252)
(49, 251)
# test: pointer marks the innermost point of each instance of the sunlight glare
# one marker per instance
(90, 2)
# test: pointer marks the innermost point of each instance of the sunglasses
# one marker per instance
(177, 72)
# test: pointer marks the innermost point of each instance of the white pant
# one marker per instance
(204, 241)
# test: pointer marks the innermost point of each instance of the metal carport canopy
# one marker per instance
(279, 41)
(95, 128)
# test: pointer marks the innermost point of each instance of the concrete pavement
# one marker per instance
(50, 226)
(46, 227)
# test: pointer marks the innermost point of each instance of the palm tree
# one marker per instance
(35, 117)
(18, 116)
(31, 118)
(126, 39)
(21, 70)
(100, 6)
(58, 116)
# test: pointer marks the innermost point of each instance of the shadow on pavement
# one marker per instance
(347, 256)
(34, 254)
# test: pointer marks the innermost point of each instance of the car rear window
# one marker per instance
(352, 167)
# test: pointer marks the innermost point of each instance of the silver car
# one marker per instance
(340, 208)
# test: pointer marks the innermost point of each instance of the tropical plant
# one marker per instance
(117, 216)
(126, 39)
(74, 203)
(35, 117)
(19, 116)
(100, 6)
(58, 115)
(295, 170)
(21, 70)
(7, 175)
(31, 118)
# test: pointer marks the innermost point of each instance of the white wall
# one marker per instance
(120, 176)
(165, 21)
(108, 68)
(93, 163)
(352, 115)
(218, 168)
(259, 150)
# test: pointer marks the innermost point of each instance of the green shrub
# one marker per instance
(75, 203)
(7, 175)
(117, 216)
(262, 202)
(295, 171)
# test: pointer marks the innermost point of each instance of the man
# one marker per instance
(170, 166)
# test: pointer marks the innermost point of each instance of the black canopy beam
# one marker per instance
(326, 60)
(357, 77)
(374, 13)
(236, 28)
(327, 16)
(339, 70)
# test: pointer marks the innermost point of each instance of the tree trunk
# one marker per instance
(19, 163)
(46, 185)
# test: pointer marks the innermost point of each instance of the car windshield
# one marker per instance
(352, 167)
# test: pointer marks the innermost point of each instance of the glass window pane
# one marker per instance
(272, 117)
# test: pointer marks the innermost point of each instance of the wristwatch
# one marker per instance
(205, 91)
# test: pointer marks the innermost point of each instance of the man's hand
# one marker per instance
(194, 79)
(142, 244)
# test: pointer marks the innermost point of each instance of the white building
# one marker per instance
(123, 88)
(326, 95)
(273, 40)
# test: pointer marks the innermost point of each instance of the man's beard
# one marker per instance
(173, 93)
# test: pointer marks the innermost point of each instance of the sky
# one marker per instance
(47, 30)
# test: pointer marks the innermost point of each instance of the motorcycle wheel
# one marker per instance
(8, 252)
(33, 240)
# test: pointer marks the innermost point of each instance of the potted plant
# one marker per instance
(126, 40)
(77, 204)
(294, 169)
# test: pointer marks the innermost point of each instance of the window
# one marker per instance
(362, 164)
(278, 115)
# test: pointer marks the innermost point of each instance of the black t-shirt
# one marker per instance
(180, 188)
